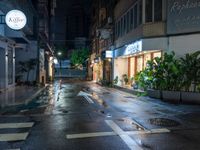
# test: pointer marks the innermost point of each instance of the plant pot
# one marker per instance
(171, 96)
(190, 97)
(154, 93)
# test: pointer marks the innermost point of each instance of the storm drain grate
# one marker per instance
(163, 122)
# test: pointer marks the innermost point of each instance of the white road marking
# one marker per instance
(16, 125)
(13, 137)
(96, 134)
(88, 99)
(162, 130)
(125, 137)
(88, 135)
(86, 96)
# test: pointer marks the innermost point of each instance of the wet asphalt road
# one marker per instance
(58, 113)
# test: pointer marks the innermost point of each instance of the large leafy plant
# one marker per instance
(172, 72)
(191, 67)
(27, 66)
(78, 57)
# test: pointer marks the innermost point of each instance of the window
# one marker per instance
(124, 27)
(118, 28)
(2, 19)
(140, 12)
(148, 11)
(135, 16)
(121, 27)
(157, 10)
(128, 22)
(131, 18)
(153, 10)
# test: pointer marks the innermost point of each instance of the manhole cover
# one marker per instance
(106, 93)
(129, 97)
(163, 122)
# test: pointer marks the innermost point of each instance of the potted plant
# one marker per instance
(125, 78)
(150, 79)
(191, 67)
(156, 68)
(172, 75)
(115, 81)
(26, 67)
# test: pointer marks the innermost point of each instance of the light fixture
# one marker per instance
(55, 61)
(59, 53)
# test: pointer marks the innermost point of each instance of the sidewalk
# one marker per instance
(18, 95)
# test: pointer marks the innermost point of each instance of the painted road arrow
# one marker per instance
(86, 96)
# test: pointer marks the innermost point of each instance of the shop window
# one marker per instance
(147, 57)
(157, 54)
(132, 66)
(139, 63)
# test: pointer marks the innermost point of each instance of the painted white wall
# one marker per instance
(160, 43)
(120, 68)
(184, 44)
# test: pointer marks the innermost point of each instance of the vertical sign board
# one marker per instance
(183, 16)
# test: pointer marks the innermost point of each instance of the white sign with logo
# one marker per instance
(109, 54)
(16, 19)
(133, 48)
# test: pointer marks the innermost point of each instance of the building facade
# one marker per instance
(145, 29)
(140, 35)
(102, 38)
(20, 46)
(16, 42)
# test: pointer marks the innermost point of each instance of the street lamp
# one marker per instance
(59, 53)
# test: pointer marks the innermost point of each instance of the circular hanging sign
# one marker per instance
(15, 19)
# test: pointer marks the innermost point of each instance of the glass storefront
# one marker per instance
(138, 63)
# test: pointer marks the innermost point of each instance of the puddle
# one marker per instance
(99, 100)
(131, 122)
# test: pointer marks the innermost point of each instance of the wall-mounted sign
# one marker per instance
(183, 16)
(15, 19)
(133, 48)
(107, 54)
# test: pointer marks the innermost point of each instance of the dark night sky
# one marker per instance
(64, 8)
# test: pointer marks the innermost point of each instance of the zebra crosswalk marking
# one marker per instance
(13, 137)
(6, 137)
(16, 125)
